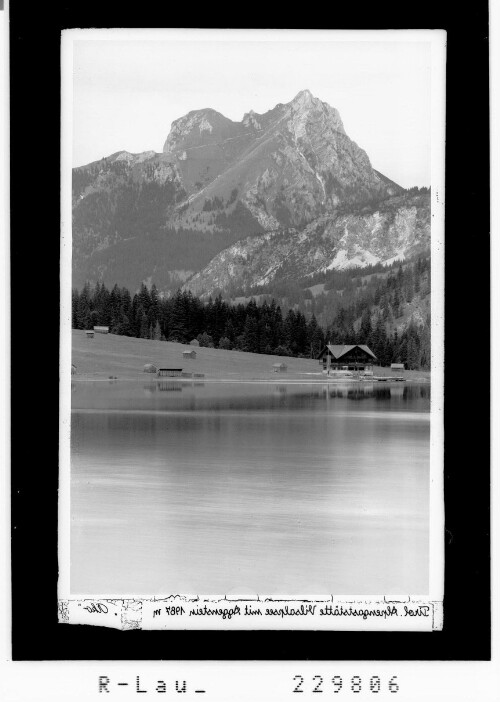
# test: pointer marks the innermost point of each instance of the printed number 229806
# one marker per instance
(356, 684)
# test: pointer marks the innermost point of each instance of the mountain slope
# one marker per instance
(397, 230)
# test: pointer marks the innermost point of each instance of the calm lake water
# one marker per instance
(249, 488)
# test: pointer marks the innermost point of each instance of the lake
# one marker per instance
(252, 488)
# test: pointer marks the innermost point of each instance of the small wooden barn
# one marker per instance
(194, 342)
(149, 368)
(351, 357)
(169, 372)
(89, 334)
(189, 354)
(101, 330)
(398, 366)
(280, 367)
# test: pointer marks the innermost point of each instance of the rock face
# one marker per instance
(398, 230)
(150, 215)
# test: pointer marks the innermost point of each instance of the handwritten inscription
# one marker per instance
(179, 611)
(419, 611)
(96, 608)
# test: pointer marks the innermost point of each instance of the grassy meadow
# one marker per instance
(124, 357)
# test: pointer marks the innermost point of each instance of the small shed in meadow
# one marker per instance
(280, 367)
(194, 342)
(149, 368)
(89, 334)
(169, 372)
(101, 330)
(398, 366)
(189, 354)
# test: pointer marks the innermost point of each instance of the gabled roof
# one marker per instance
(339, 350)
(367, 349)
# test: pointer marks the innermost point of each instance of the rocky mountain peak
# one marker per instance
(198, 127)
(305, 107)
(304, 98)
(251, 119)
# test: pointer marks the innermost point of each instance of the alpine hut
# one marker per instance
(279, 367)
(347, 357)
(189, 354)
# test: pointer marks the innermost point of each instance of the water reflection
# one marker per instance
(169, 386)
(379, 392)
(278, 489)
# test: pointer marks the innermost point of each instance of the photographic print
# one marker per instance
(252, 329)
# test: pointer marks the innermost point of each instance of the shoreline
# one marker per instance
(265, 381)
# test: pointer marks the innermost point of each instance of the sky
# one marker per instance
(126, 93)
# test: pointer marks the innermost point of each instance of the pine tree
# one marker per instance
(251, 335)
(402, 352)
(396, 305)
(157, 331)
(144, 298)
(425, 346)
(229, 331)
(178, 318)
(378, 341)
(289, 340)
(144, 332)
(265, 336)
(83, 318)
(74, 308)
(365, 330)
(412, 353)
